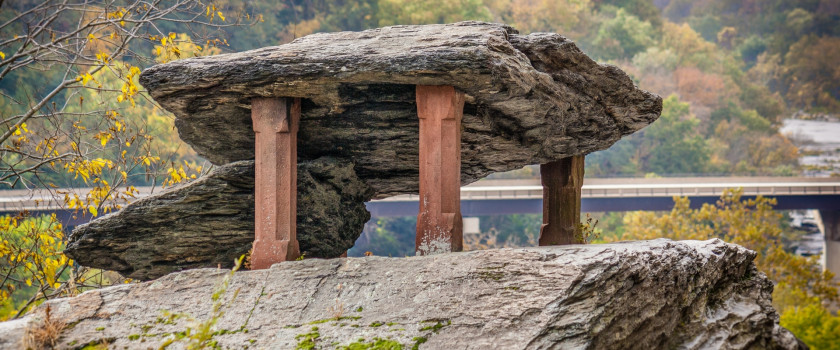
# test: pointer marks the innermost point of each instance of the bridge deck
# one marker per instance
(660, 187)
(487, 197)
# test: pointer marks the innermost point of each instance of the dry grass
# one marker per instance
(45, 334)
(337, 310)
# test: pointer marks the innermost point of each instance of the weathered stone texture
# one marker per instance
(656, 294)
(530, 99)
(211, 221)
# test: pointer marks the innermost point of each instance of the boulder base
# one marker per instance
(658, 294)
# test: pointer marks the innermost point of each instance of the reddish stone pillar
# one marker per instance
(439, 225)
(276, 125)
(561, 182)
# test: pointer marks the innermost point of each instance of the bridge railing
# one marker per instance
(637, 190)
(14, 201)
(709, 190)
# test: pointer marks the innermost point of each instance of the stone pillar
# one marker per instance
(275, 124)
(439, 226)
(561, 182)
(831, 227)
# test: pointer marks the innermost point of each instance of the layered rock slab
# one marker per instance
(210, 222)
(658, 294)
(530, 98)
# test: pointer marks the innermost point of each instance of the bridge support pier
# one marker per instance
(439, 226)
(562, 181)
(831, 226)
(275, 123)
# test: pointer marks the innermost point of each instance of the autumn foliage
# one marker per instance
(79, 131)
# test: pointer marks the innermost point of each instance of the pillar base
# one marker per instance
(439, 222)
(562, 181)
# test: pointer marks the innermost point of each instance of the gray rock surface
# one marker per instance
(210, 221)
(530, 99)
(658, 294)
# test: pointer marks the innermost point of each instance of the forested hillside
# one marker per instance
(731, 70)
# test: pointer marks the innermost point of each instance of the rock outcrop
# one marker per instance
(530, 99)
(210, 222)
(658, 294)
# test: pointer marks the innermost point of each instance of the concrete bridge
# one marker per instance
(493, 197)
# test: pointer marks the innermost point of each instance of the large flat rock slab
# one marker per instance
(658, 294)
(530, 98)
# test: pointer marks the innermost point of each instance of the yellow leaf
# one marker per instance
(91, 37)
(2, 55)
(221, 15)
(124, 175)
(122, 23)
(92, 210)
(172, 35)
(163, 41)
(86, 78)
(29, 282)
